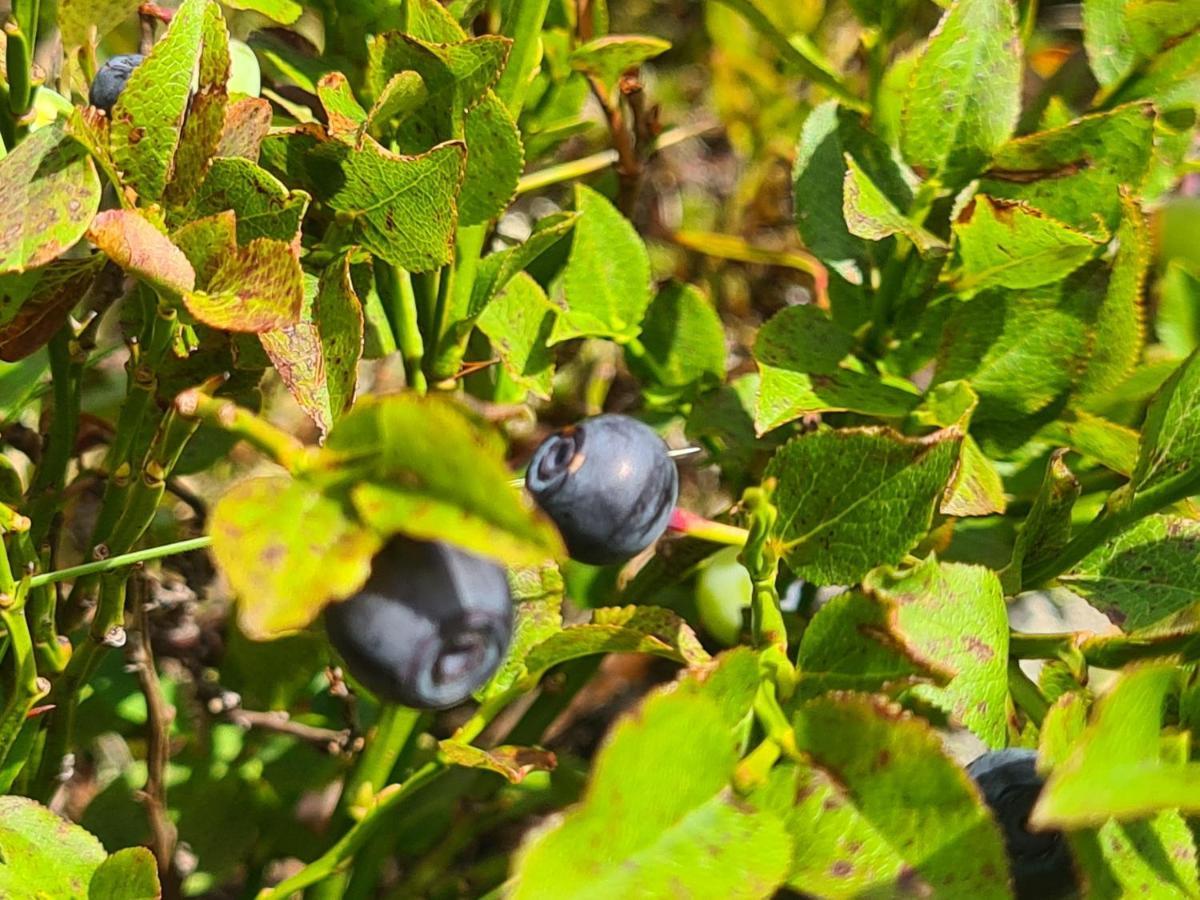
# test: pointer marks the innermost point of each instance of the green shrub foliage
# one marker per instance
(917, 281)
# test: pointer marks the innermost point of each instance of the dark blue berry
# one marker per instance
(431, 625)
(110, 80)
(1040, 860)
(609, 486)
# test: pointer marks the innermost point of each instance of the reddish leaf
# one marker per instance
(133, 243)
(259, 288)
(35, 304)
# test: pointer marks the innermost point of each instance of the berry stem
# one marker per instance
(693, 525)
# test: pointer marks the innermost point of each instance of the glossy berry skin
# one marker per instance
(110, 80)
(1040, 860)
(429, 627)
(609, 486)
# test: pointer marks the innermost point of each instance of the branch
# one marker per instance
(280, 722)
(160, 715)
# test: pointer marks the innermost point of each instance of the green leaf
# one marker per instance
(537, 597)
(1171, 433)
(1120, 749)
(495, 160)
(1116, 323)
(44, 855)
(497, 269)
(403, 206)
(1047, 528)
(1109, 444)
(918, 821)
(403, 95)
(345, 115)
(625, 629)
(258, 288)
(1106, 38)
(318, 357)
(285, 12)
(1019, 350)
(807, 366)
(265, 208)
(77, 18)
(1154, 858)
(848, 647)
(965, 94)
(205, 122)
(519, 323)
(1143, 575)
(874, 499)
(607, 279)
(683, 339)
(131, 241)
(976, 488)
(425, 468)
(49, 191)
(456, 75)
(608, 58)
(682, 830)
(148, 118)
(952, 617)
(871, 214)
(287, 550)
(130, 874)
(818, 183)
(1177, 319)
(35, 304)
(1012, 245)
(1075, 173)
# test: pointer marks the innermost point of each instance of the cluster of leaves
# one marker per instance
(991, 387)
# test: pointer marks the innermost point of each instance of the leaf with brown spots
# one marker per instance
(205, 120)
(317, 358)
(207, 243)
(265, 208)
(133, 243)
(952, 617)
(259, 288)
(287, 550)
(904, 816)
(873, 500)
(35, 304)
(148, 117)
(345, 115)
(247, 123)
(49, 191)
(658, 818)
(514, 763)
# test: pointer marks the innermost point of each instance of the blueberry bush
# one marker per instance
(583, 449)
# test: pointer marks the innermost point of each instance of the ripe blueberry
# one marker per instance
(1040, 861)
(430, 626)
(609, 486)
(110, 80)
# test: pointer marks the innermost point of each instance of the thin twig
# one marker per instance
(629, 166)
(279, 722)
(159, 716)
